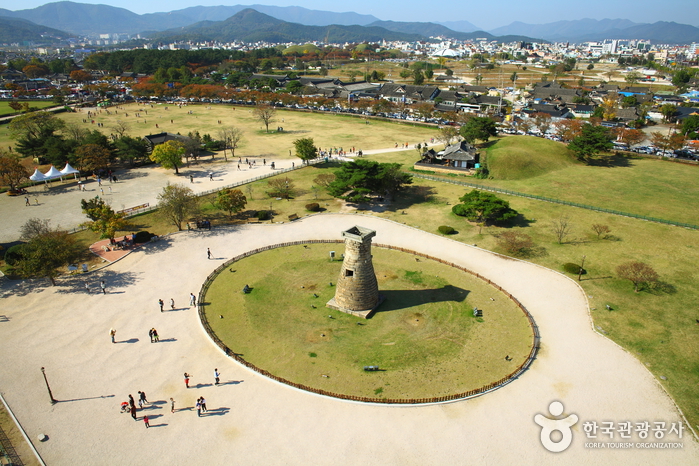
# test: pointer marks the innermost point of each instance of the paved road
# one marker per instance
(256, 421)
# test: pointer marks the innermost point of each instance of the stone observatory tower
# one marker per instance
(357, 290)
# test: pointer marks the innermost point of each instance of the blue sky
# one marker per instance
(484, 14)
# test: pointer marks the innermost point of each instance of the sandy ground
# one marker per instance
(253, 420)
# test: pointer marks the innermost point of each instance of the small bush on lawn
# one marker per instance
(573, 268)
(143, 237)
(264, 215)
(446, 230)
(13, 254)
(313, 207)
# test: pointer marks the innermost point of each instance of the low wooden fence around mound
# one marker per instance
(438, 399)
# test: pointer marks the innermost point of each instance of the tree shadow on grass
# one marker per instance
(661, 287)
(611, 161)
(519, 221)
(410, 196)
(395, 300)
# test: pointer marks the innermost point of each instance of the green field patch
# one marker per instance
(423, 336)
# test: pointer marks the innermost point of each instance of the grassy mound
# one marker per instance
(522, 157)
(424, 336)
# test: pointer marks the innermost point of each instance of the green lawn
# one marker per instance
(5, 109)
(525, 157)
(423, 336)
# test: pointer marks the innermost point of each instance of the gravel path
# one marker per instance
(253, 420)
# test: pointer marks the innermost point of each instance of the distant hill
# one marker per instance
(591, 29)
(292, 14)
(86, 19)
(252, 26)
(434, 30)
(459, 26)
(14, 30)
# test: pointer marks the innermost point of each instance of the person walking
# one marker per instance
(142, 397)
(192, 299)
(133, 413)
(150, 334)
(191, 179)
(112, 333)
(26, 201)
(186, 379)
(203, 404)
(208, 253)
(211, 176)
(198, 408)
(103, 285)
(87, 287)
(160, 303)
(216, 376)
(140, 402)
(145, 421)
(172, 405)
(131, 402)
(156, 338)
(172, 304)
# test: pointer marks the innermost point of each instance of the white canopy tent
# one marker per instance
(53, 174)
(37, 176)
(68, 170)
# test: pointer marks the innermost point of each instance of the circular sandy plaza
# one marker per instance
(254, 420)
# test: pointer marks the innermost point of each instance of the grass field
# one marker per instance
(5, 109)
(423, 336)
(327, 130)
(525, 157)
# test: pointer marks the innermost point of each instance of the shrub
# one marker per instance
(573, 268)
(313, 207)
(264, 215)
(13, 254)
(515, 242)
(446, 230)
(143, 237)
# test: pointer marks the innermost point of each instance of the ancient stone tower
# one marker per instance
(357, 291)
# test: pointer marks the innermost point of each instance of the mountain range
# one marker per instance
(89, 19)
(15, 30)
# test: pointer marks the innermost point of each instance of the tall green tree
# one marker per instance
(483, 207)
(104, 220)
(306, 149)
(177, 202)
(478, 128)
(35, 132)
(231, 200)
(169, 155)
(45, 253)
(355, 181)
(593, 140)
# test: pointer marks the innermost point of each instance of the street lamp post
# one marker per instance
(581, 268)
(53, 400)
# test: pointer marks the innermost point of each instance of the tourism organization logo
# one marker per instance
(549, 426)
(649, 433)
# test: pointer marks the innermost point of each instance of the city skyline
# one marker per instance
(486, 16)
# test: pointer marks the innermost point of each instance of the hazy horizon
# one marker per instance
(484, 15)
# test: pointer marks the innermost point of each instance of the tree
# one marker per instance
(447, 134)
(12, 172)
(630, 137)
(609, 106)
(34, 131)
(230, 200)
(515, 242)
(633, 77)
(478, 128)
(561, 228)
(418, 78)
(542, 121)
(592, 141)
(104, 220)
(690, 126)
(232, 138)
(324, 179)
(131, 149)
(355, 181)
(600, 230)
(34, 227)
(80, 76)
(669, 112)
(92, 207)
(483, 207)
(45, 253)
(513, 78)
(568, 130)
(673, 141)
(169, 154)
(306, 149)
(177, 202)
(639, 273)
(120, 128)
(265, 113)
(281, 187)
(91, 157)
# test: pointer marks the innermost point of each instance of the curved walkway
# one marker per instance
(253, 420)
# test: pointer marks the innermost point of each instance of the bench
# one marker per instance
(293, 217)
